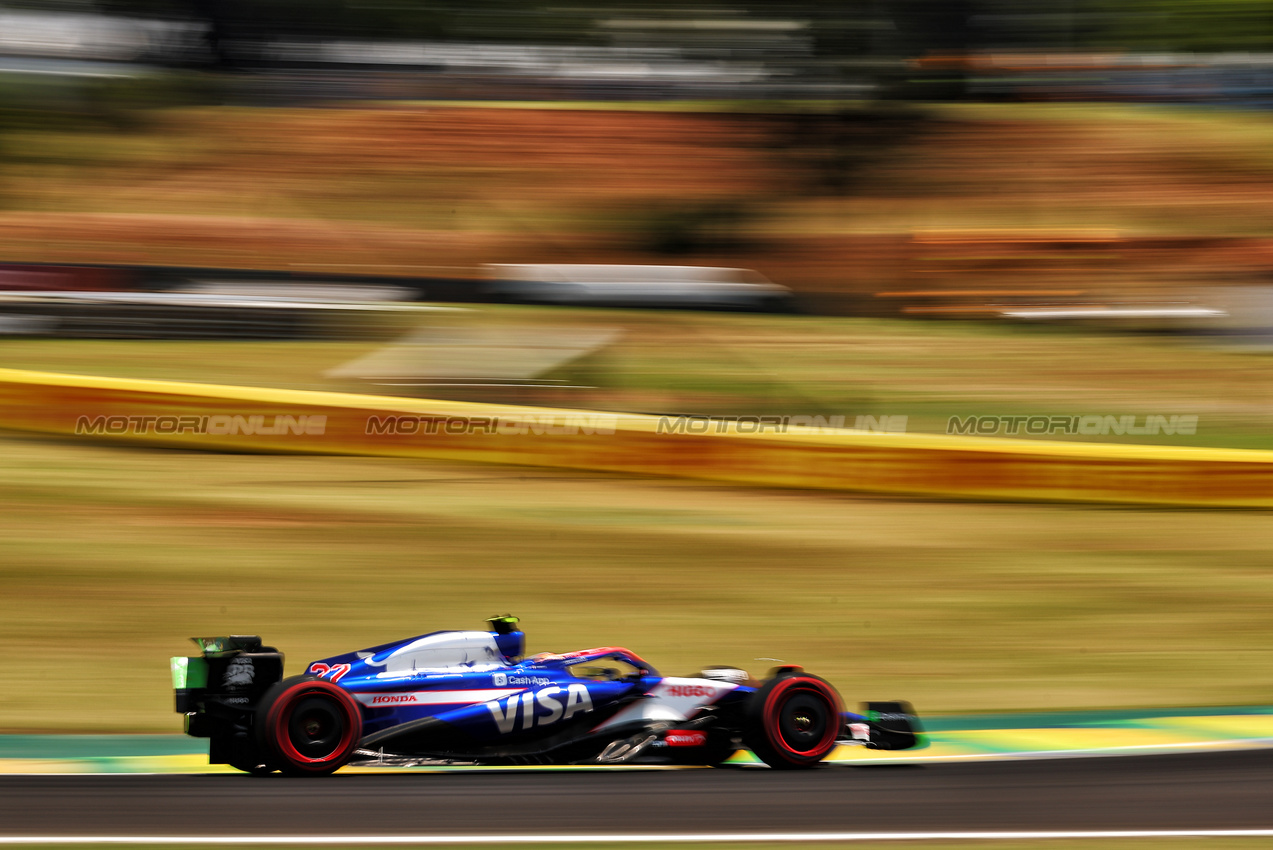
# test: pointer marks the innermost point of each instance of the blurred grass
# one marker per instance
(1228, 843)
(748, 365)
(111, 557)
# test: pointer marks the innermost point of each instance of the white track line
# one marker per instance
(632, 838)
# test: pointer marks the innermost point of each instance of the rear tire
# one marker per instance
(793, 721)
(308, 726)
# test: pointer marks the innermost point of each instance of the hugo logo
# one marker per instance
(690, 691)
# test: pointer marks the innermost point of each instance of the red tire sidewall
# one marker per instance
(782, 691)
(280, 715)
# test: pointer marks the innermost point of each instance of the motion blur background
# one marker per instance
(912, 209)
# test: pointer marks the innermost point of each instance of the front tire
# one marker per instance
(308, 726)
(793, 721)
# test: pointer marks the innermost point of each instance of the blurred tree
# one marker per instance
(1181, 25)
(834, 28)
(399, 19)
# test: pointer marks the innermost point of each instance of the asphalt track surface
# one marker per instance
(1231, 790)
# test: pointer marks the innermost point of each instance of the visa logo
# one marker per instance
(540, 708)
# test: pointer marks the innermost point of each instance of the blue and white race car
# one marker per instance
(470, 697)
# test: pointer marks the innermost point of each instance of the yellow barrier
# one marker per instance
(204, 416)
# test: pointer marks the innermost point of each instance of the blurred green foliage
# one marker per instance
(834, 28)
(49, 102)
(1178, 25)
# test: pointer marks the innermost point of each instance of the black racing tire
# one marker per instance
(308, 726)
(793, 721)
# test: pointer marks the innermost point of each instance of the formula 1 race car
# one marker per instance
(470, 697)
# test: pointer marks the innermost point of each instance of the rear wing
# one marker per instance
(218, 692)
(232, 671)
